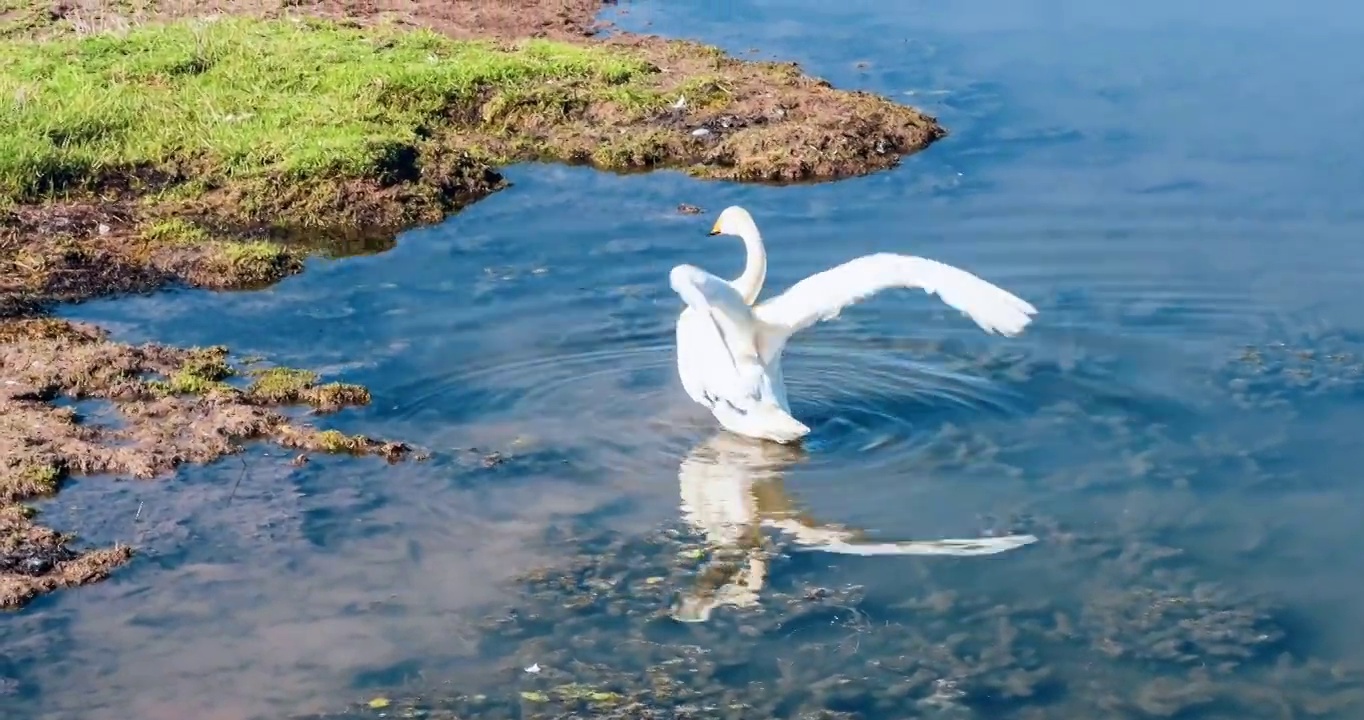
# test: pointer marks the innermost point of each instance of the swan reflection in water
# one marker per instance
(732, 488)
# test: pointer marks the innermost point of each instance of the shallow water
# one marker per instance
(1168, 183)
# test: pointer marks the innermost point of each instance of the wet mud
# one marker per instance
(174, 406)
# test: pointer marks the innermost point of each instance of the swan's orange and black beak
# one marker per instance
(714, 229)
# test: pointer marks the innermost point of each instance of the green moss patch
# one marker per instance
(286, 385)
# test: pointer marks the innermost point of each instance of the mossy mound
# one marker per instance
(199, 150)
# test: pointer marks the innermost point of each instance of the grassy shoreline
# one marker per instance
(178, 141)
(264, 103)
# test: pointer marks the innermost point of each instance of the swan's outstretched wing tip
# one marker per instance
(1013, 322)
(993, 308)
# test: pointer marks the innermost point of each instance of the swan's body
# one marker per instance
(729, 346)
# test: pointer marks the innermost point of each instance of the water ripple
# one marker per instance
(874, 406)
(870, 402)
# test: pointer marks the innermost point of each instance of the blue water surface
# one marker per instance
(1175, 185)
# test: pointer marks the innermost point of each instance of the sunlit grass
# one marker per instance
(238, 98)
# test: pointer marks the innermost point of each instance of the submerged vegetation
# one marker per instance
(1137, 618)
(1144, 637)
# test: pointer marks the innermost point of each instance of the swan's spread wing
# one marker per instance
(705, 292)
(823, 296)
(717, 344)
(712, 297)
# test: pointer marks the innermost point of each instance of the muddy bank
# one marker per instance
(172, 406)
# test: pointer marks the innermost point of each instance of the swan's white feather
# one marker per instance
(824, 295)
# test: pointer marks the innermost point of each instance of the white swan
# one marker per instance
(732, 487)
(729, 348)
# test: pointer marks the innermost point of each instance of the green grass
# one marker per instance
(201, 371)
(237, 98)
(184, 383)
(281, 384)
(258, 262)
(176, 231)
(29, 480)
(287, 385)
(335, 441)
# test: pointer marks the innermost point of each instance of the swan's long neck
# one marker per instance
(750, 283)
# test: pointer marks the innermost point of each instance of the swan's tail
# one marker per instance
(764, 421)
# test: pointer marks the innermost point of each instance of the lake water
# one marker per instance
(1174, 186)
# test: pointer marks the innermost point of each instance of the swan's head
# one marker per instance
(734, 220)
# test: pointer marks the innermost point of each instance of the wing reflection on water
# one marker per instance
(732, 488)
